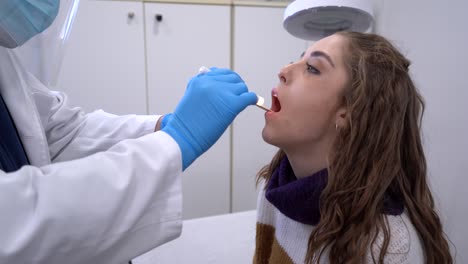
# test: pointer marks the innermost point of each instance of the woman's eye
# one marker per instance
(312, 69)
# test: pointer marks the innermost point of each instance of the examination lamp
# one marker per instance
(316, 19)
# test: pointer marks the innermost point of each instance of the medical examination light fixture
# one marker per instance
(316, 19)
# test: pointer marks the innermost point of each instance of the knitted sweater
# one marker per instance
(288, 210)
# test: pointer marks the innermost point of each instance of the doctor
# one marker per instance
(94, 188)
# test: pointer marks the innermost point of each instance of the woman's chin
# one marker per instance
(268, 137)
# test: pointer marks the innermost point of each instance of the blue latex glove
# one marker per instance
(165, 120)
(210, 104)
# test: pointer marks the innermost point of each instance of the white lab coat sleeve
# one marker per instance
(103, 209)
(73, 134)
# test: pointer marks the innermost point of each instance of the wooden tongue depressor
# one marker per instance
(260, 103)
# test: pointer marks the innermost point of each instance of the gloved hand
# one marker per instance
(211, 102)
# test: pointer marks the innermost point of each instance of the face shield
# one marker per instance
(43, 54)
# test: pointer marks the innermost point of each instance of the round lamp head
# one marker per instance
(316, 19)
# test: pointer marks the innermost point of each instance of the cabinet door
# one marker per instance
(104, 66)
(261, 48)
(179, 39)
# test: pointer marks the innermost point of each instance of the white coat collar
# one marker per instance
(15, 89)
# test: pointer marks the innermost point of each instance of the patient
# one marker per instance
(349, 183)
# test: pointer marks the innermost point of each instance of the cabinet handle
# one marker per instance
(158, 17)
(131, 15)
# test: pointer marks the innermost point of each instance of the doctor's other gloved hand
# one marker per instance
(211, 102)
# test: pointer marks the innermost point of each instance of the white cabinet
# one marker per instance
(179, 39)
(261, 48)
(104, 66)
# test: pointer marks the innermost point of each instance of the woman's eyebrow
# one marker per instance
(323, 55)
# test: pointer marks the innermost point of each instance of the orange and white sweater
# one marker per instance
(287, 213)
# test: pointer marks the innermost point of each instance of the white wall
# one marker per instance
(261, 48)
(434, 36)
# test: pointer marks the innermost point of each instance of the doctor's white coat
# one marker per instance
(101, 189)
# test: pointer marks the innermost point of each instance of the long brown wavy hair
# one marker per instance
(379, 150)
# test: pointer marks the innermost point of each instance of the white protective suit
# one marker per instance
(101, 189)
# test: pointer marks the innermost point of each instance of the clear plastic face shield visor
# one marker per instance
(43, 54)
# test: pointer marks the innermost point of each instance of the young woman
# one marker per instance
(349, 184)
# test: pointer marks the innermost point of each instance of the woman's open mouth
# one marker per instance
(275, 103)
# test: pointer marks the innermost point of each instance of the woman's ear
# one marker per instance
(341, 117)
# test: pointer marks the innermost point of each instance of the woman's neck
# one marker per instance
(308, 159)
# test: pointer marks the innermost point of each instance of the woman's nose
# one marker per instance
(283, 75)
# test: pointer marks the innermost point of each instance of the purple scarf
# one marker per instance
(299, 199)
